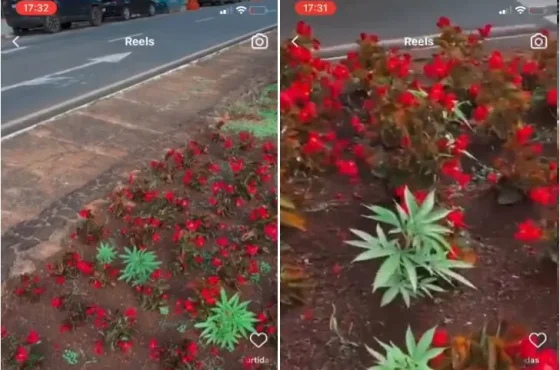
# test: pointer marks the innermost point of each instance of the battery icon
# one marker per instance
(258, 10)
(539, 11)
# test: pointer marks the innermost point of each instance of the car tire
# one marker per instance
(66, 25)
(96, 16)
(19, 31)
(125, 13)
(151, 9)
(52, 24)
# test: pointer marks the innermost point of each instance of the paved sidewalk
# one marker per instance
(6, 30)
(50, 172)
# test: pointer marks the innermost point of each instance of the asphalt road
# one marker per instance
(50, 69)
(401, 18)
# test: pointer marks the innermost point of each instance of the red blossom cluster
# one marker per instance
(29, 288)
(522, 351)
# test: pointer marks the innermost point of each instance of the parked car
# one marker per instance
(168, 6)
(68, 11)
(126, 8)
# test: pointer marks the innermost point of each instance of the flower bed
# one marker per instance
(456, 162)
(173, 270)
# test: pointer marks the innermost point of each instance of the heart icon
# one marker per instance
(537, 339)
(259, 339)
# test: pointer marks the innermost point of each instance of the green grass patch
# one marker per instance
(263, 109)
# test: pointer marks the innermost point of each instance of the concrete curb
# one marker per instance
(338, 51)
(30, 120)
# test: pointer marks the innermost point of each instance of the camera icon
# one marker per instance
(259, 42)
(539, 41)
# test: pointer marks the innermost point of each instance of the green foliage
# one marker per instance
(106, 253)
(264, 267)
(70, 357)
(139, 265)
(417, 357)
(164, 310)
(227, 322)
(416, 258)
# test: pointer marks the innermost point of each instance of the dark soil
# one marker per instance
(513, 284)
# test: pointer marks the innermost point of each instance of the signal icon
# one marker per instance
(241, 9)
(520, 9)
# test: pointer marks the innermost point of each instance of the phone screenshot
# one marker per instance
(419, 185)
(139, 184)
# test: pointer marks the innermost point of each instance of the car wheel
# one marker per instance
(125, 13)
(19, 31)
(66, 25)
(151, 9)
(96, 16)
(52, 24)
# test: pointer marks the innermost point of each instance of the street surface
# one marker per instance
(47, 70)
(391, 19)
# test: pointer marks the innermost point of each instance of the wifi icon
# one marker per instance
(520, 9)
(241, 9)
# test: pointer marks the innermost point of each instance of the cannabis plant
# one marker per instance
(106, 254)
(227, 322)
(415, 258)
(139, 265)
(416, 357)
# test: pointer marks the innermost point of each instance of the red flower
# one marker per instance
(524, 134)
(125, 346)
(454, 253)
(528, 231)
(530, 67)
(456, 218)
(347, 167)
(271, 232)
(407, 99)
(543, 195)
(130, 314)
(33, 337)
(21, 355)
(481, 113)
(474, 90)
(98, 347)
(548, 360)
(85, 213)
(496, 61)
(441, 338)
(56, 302)
(552, 97)
(443, 22)
(251, 249)
(85, 267)
(213, 280)
(485, 31)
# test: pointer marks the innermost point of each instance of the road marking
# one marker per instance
(13, 50)
(552, 18)
(113, 58)
(124, 37)
(204, 19)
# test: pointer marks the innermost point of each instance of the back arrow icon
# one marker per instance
(294, 40)
(14, 42)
